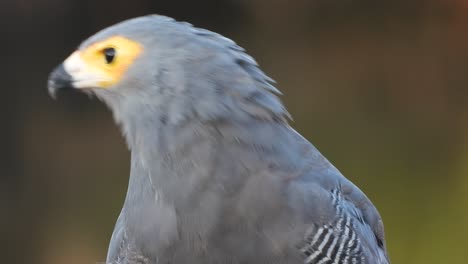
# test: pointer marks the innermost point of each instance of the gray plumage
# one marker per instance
(217, 174)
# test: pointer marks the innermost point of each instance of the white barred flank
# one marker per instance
(336, 243)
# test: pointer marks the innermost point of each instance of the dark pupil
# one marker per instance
(109, 53)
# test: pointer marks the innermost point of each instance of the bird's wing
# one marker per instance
(347, 238)
(345, 225)
(117, 241)
(121, 250)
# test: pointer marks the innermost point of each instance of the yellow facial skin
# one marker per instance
(91, 68)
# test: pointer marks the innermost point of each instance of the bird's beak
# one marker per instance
(59, 79)
(77, 73)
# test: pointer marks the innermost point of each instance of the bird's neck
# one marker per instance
(168, 156)
(163, 154)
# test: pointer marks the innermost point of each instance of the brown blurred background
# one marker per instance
(380, 87)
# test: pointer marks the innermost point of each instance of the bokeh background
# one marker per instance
(380, 87)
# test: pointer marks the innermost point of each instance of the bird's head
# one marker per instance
(157, 66)
(120, 61)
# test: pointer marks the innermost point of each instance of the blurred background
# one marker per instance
(380, 87)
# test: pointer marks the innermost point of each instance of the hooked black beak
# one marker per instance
(59, 79)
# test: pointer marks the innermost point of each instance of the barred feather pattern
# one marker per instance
(336, 243)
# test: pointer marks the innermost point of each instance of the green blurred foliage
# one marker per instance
(380, 87)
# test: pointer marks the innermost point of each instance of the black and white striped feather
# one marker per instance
(337, 242)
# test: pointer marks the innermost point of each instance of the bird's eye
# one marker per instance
(109, 54)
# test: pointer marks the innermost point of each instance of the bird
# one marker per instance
(218, 174)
